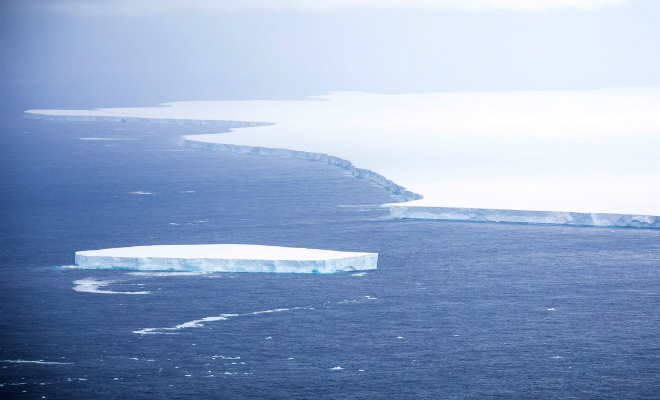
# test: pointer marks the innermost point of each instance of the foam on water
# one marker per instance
(90, 285)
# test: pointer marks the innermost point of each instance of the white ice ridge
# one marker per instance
(559, 157)
(226, 258)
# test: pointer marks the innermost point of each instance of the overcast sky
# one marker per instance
(141, 52)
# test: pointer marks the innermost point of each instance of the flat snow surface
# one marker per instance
(574, 151)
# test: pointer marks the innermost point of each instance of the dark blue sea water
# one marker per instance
(455, 310)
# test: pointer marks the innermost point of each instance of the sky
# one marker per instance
(135, 53)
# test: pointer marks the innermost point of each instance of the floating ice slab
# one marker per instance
(226, 258)
(471, 156)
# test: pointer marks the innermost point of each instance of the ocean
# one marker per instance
(455, 310)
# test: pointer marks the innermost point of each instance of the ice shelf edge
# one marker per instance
(397, 211)
(400, 211)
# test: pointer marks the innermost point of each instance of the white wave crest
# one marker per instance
(198, 323)
(19, 361)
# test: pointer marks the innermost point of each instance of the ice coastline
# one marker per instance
(565, 157)
(226, 258)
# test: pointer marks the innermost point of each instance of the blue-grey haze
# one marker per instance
(115, 60)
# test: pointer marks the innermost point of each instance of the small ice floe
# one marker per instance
(400, 337)
(173, 223)
(371, 298)
(90, 285)
(142, 193)
(269, 337)
(359, 274)
(557, 357)
(360, 370)
(336, 368)
(551, 309)
(19, 361)
(187, 191)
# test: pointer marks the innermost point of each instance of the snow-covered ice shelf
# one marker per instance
(226, 258)
(556, 157)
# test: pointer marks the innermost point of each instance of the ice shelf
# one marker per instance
(554, 157)
(226, 258)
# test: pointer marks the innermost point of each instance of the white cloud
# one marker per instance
(145, 7)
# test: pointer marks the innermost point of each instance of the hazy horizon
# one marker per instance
(115, 55)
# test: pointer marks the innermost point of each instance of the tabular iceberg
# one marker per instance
(226, 258)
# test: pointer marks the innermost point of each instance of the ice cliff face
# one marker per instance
(309, 156)
(226, 258)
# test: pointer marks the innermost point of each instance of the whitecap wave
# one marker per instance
(141, 193)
